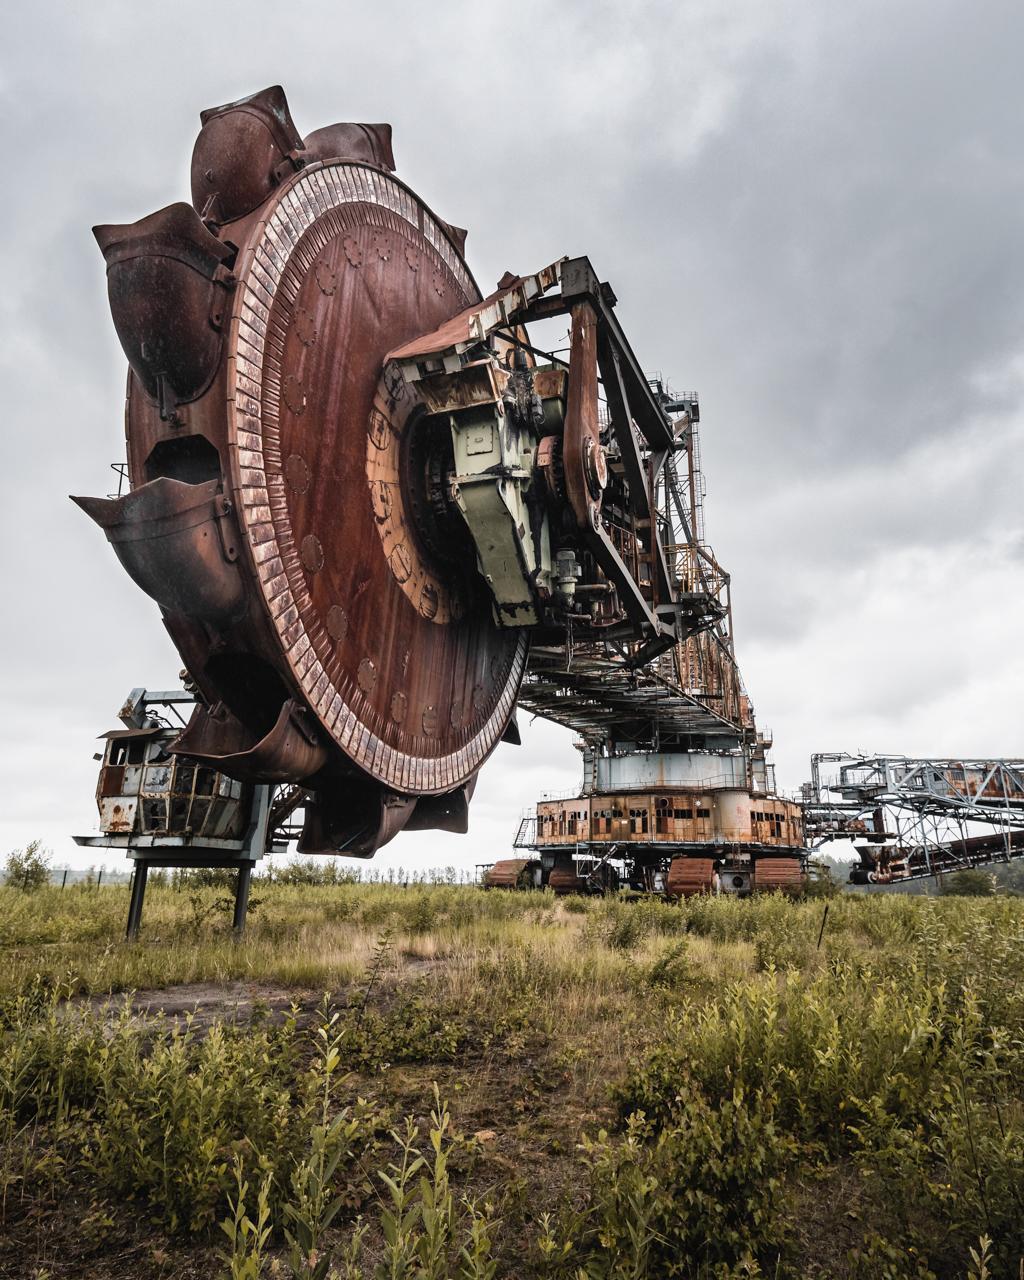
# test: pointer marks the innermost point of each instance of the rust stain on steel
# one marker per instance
(290, 752)
(688, 877)
(784, 874)
(168, 289)
(583, 464)
(240, 152)
(177, 543)
(646, 818)
(507, 873)
(471, 325)
(565, 879)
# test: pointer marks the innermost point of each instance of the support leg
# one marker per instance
(135, 905)
(242, 896)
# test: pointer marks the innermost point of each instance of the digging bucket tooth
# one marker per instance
(167, 284)
(359, 143)
(292, 751)
(355, 820)
(177, 542)
(243, 151)
(457, 235)
(446, 812)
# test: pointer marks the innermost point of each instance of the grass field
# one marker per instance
(441, 1082)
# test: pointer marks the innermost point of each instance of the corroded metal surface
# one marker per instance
(505, 307)
(564, 879)
(510, 873)
(690, 876)
(680, 816)
(785, 874)
(273, 482)
(168, 286)
(415, 691)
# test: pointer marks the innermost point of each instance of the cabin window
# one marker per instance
(127, 751)
(184, 777)
(154, 815)
(197, 816)
(158, 777)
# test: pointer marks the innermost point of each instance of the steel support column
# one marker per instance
(242, 896)
(137, 898)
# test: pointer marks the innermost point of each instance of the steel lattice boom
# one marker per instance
(915, 816)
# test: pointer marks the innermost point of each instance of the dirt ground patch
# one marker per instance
(236, 1002)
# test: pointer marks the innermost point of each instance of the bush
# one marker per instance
(702, 1192)
(204, 878)
(916, 1078)
(28, 868)
(969, 884)
(162, 1116)
(822, 881)
(413, 1029)
(671, 968)
(312, 871)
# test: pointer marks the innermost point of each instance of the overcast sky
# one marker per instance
(811, 214)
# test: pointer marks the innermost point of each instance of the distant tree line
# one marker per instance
(30, 869)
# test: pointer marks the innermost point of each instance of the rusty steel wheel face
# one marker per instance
(404, 666)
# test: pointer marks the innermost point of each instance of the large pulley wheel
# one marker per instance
(396, 652)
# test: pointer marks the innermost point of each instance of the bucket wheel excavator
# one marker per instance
(369, 509)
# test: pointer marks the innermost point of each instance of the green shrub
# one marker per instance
(781, 949)
(412, 1029)
(624, 924)
(28, 868)
(968, 884)
(918, 1079)
(427, 1231)
(204, 878)
(823, 881)
(670, 969)
(669, 1200)
(158, 1115)
(311, 871)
